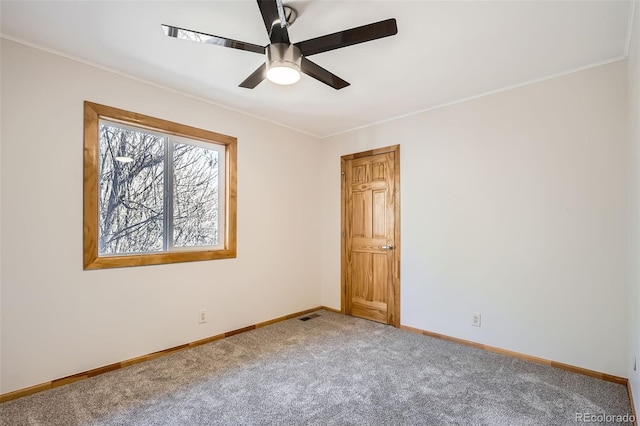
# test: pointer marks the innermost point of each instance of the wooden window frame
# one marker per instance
(92, 260)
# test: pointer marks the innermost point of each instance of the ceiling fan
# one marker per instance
(285, 60)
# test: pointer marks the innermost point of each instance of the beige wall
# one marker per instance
(514, 205)
(58, 319)
(634, 251)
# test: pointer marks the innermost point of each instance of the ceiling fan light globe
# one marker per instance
(283, 74)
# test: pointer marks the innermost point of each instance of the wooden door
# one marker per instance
(371, 235)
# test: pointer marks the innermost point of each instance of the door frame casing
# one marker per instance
(393, 309)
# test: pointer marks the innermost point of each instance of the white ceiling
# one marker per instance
(445, 51)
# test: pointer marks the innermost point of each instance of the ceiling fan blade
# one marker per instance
(255, 78)
(185, 34)
(316, 71)
(348, 37)
(271, 11)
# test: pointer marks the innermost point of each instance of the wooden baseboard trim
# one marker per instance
(572, 368)
(633, 404)
(111, 367)
(335, 311)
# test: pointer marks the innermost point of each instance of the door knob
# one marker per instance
(387, 247)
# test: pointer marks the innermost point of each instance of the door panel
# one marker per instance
(370, 255)
(379, 214)
(380, 276)
(361, 215)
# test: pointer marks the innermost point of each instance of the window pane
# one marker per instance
(195, 196)
(131, 193)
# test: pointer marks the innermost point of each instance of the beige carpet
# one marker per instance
(330, 370)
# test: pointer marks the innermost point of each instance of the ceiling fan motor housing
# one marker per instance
(283, 58)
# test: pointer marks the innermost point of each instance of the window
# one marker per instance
(155, 191)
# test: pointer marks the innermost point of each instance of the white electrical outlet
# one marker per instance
(202, 316)
(476, 319)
